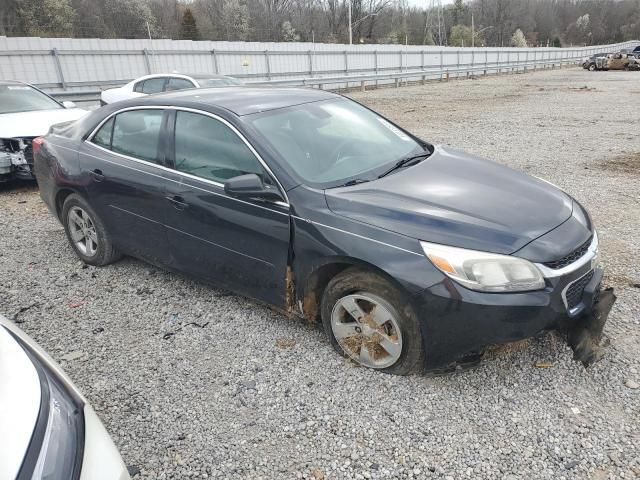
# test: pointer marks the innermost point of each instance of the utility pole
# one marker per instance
(350, 29)
(473, 32)
(439, 33)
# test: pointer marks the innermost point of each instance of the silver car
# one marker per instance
(47, 428)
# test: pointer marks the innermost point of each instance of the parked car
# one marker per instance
(622, 61)
(47, 428)
(410, 254)
(592, 63)
(26, 113)
(164, 82)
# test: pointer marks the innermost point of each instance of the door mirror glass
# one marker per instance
(251, 186)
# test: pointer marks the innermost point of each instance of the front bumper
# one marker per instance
(457, 322)
(16, 159)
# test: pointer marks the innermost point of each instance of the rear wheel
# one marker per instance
(592, 67)
(86, 232)
(370, 321)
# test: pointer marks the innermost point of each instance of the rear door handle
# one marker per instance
(177, 201)
(97, 175)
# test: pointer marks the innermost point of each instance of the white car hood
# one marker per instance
(19, 403)
(35, 124)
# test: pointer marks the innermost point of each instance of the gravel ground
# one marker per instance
(196, 382)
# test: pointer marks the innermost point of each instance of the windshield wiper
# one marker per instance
(350, 183)
(406, 162)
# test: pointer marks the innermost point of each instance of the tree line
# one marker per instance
(463, 23)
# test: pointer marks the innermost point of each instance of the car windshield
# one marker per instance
(331, 142)
(23, 98)
(219, 82)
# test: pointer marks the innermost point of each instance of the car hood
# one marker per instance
(35, 124)
(20, 400)
(457, 199)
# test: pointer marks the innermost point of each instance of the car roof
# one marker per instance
(239, 100)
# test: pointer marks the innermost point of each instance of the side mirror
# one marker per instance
(251, 186)
(69, 104)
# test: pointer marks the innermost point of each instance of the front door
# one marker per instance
(241, 245)
(126, 181)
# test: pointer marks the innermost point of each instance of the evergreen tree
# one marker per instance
(188, 28)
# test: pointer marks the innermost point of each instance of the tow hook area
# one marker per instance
(585, 338)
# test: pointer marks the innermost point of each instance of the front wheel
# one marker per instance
(370, 321)
(86, 232)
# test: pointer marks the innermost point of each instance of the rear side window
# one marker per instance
(178, 84)
(135, 133)
(153, 85)
(207, 148)
(103, 136)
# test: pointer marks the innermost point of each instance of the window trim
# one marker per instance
(166, 129)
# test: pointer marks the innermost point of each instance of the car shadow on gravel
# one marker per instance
(18, 186)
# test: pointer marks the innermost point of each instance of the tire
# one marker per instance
(366, 345)
(592, 67)
(95, 247)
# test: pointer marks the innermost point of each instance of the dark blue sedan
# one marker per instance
(413, 256)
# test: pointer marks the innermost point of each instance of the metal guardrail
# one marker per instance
(79, 73)
(392, 78)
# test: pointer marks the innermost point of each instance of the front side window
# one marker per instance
(329, 142)
(178, 84)
(209, 149)
(135, 133)
(16, 98)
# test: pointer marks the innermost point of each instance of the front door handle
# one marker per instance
(97, 175)
(177, 201)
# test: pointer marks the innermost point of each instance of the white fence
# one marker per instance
(76, 67)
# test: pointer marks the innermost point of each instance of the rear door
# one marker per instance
(124, 171)
(242, 245)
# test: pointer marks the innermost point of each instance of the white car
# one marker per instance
(26, 113)
(47, 428)
(164, 82)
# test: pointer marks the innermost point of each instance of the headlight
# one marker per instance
(486, 272)
(56, 448)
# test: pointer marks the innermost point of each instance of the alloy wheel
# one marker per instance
(367, 330)
(82, 231)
